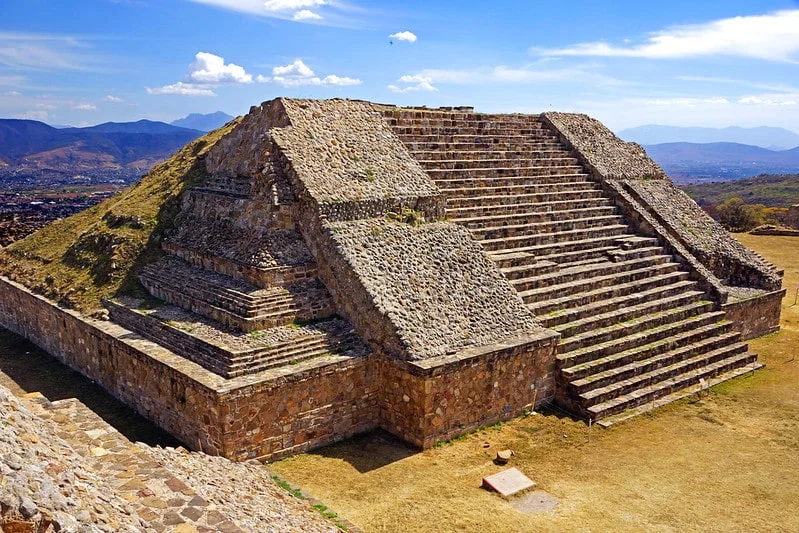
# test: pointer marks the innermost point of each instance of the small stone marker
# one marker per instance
(503, 457)
(508, 482)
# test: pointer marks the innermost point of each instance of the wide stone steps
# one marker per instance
(557, 166)
(448, 119)
(573, 250)
(514, 190)
(498, 221)
(557, 237)
(233, 302)
(690, 332)
(570, 312)
(507, 181)
(548, 226)
(483, 164)
(626, 313)
(477, 210)
(652, 357)
(587, 272)
(425, 157)
(631, 321)
(419, 144)
(527, 198)
(649, 390)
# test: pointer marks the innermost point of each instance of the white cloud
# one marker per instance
(13, 94)
(772, 37)
(306, 14)
(297, 73)
(85, 107)
(770, 101)
(342, 81)
(297, 68)
(291, 5)
(404, 36)
(502, 74)
(688, 101)
(183, 89)
(418, 83)
(113, 99)
(210, 68)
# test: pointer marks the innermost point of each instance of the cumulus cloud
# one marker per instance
(418, 83)
(34, 115)
(113, 99)
(183, 89)
(298, 73)
(85, 107)
(291, 5)
(771, 37)
(771, 100)
(210, 68)
(306, 14)
(404, 36)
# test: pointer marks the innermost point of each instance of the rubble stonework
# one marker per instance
(345, 266)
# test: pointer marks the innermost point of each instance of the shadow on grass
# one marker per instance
(368, 451)
(26, 368)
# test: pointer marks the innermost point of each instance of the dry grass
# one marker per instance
(94, 254)
(727, 462)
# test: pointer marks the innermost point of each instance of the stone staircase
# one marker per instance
(635, 329)
(236, 303)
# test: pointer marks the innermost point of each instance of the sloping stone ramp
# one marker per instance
(634, 327)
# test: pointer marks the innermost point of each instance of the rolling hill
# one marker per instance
(27, 145)
(691, 162)
(764, 137)
(769, 190)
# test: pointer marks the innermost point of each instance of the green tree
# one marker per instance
(735, 215)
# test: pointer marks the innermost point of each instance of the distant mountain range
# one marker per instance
(764, 137)
(206, 122)
(31, 146)
(692, 162)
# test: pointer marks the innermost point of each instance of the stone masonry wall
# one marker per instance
(757, 315)
(439, 400)
(642, 189)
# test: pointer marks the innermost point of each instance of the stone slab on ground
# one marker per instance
(537, 501)
(508, 482)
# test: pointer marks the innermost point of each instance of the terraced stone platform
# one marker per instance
(336, 266)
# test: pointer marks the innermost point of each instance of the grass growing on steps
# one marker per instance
(97, 253)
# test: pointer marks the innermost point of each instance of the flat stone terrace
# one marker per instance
(634, 326)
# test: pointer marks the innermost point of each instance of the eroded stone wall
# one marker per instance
(757, 315)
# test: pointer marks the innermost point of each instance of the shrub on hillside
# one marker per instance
(737, 216)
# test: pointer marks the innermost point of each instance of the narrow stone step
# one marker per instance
(566, 251)
(543, 198)
(429, 156)
(669, 351)
(589, 269)
(489, 130)
(684, 392)
(478, 182)
(571, 312)
(499, 190)
(417, 144)
(497, 221)
(627, 313)
(672, 384)
(554, 238)
(631, 327)
(645, 335)
(529, 270)
(548, 226)
(685, 335)
(555, 169)
(520, 208)
(483, 164)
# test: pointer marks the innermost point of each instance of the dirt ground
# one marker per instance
(726, 462)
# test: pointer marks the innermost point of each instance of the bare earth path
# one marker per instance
(726, 462)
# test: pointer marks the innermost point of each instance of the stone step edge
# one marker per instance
(683, 393)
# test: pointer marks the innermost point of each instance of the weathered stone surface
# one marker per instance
(508, 482)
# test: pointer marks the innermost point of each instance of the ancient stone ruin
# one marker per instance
(345, 266)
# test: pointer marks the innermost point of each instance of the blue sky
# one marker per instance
(714, 63)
